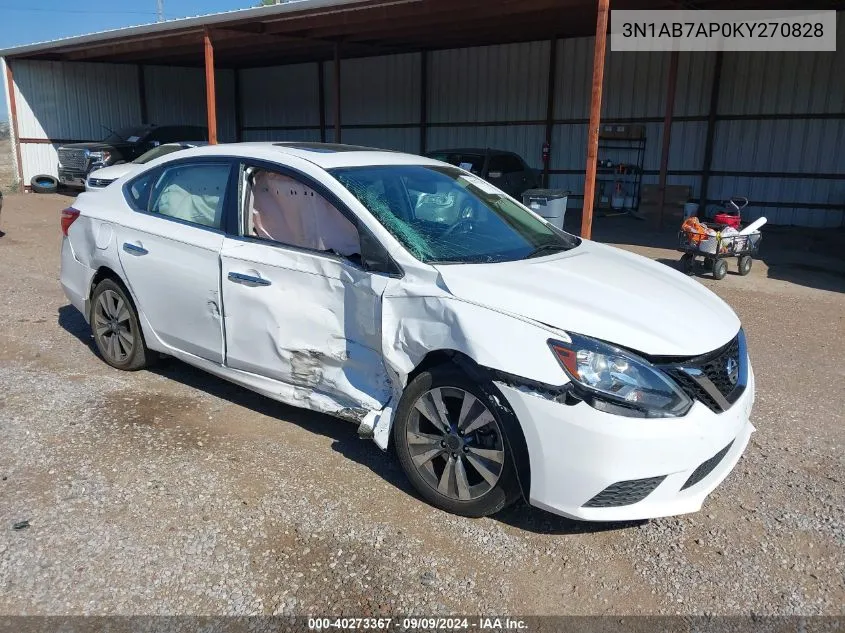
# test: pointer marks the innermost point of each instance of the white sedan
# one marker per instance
(500, 356)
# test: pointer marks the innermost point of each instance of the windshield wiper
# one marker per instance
(547, 248)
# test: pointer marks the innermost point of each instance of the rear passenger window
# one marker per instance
(138, 191)
(192, 193)
(505, 164)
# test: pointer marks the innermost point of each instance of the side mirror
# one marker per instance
(375, 257)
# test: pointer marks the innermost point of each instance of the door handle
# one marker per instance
(241, 278)
(134, 249)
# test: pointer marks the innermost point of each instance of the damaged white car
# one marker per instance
(498, 355)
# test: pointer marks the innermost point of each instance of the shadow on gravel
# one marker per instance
(531, 519)
(343, 434)
(72, 321)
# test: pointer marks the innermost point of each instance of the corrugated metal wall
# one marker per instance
(177, 95)
(70, 101)
(280, 97)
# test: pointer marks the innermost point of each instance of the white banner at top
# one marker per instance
(699, 30)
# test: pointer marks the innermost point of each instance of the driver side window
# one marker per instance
(281, 209)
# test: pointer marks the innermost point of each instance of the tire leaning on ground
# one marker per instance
(449, 438)
(44, 183)
(117, 333)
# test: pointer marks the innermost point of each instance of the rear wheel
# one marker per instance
(117, 332)
(744, 265)
(720, 268)
(450, 442)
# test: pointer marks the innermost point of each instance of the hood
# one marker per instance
(605, 293)
(93, 146)
(114, 172)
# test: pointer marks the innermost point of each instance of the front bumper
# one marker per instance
(577, 452)
(72, 178)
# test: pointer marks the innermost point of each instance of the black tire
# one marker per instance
(744, 265)
(112, 336)
(44, 183)
(499, 496)
(688, 263)
(720, 268)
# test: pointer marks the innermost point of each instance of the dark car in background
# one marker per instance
(506, 170)
(77, 160)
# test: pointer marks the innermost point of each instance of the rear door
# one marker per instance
(170, 248)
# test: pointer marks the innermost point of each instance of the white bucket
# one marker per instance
(690, 209)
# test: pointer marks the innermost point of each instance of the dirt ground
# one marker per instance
(173, 492)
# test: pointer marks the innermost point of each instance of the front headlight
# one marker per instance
(617, 381)
(100, 157)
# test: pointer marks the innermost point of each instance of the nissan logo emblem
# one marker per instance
(732, 367)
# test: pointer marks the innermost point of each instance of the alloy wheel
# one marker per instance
(113, 326)
(455, 443)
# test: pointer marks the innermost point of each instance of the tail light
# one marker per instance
(69, 215)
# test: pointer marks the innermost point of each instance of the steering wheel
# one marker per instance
(463, 222)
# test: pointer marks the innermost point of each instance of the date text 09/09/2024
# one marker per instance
(418, 623)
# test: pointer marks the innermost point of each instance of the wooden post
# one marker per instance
(337, 92)
(595, 118)
(711, 129)
(671, 82)
(321, 98)
(13, 124)
(423, 101)
(210, 93)
(550, 106)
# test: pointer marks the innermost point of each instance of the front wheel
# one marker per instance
(450, 442)
(720, 268)
(117, 332)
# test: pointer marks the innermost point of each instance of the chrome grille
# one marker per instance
(72, 158)
(717, 379)
(100, 182)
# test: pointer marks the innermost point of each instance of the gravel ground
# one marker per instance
(172, 492)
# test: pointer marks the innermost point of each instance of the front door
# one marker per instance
(170, 252)
(298, 306)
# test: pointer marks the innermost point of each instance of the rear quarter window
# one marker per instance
(137, 191)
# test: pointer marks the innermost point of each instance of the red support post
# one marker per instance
(595, 120)
(210, 92)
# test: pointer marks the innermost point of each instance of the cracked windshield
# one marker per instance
(442, 215)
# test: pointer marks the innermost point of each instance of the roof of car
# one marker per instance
(325, 155)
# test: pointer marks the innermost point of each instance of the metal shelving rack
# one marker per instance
(616, 142)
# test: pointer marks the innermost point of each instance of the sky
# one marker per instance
(29, 21)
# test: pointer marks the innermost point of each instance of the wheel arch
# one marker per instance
(485, 378)
(107, 272)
